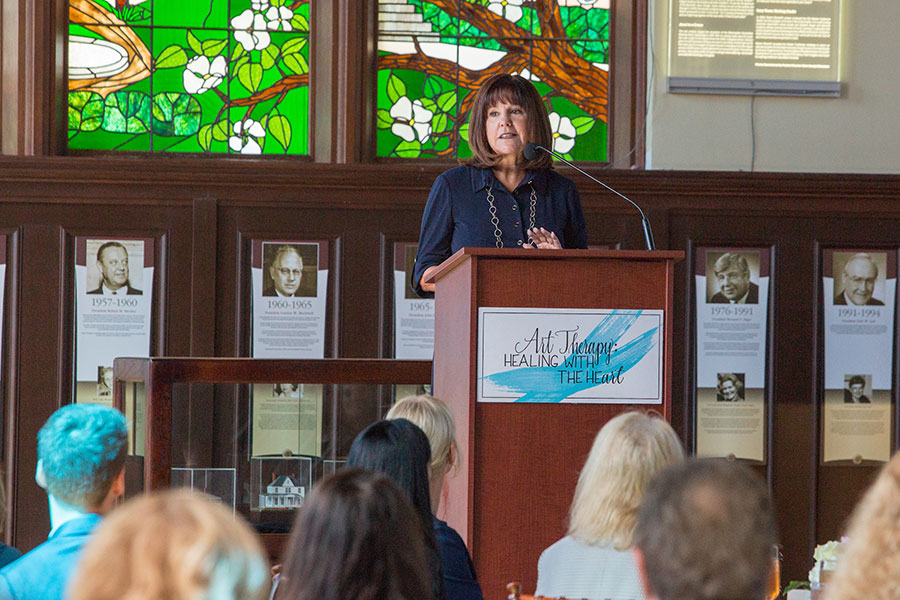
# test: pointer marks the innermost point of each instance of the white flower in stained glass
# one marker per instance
(279, 18)
(411, 120)
(563, 133)
(201, 75)
(511, 10)
(262, 5)
(251, 30)
(246, 137)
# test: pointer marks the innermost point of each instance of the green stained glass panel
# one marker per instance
(194, 14)
(178, 77)
(427, 54)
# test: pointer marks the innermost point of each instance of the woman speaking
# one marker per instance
(498, 198)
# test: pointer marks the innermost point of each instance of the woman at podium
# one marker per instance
(498, 198)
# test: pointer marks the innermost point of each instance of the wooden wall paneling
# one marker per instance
(792, 479)
(38, 369)
(789, 347)
(386, 291)
(42, 198)
(9, 373)
(346, 37)
(33, 77)
(683, 372)
(43, 326)
(833, 509)
(194, 404)
(240, 225)
(628, 82)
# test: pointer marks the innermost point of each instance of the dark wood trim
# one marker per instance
(321, 76)
(353, 74)
(10, 378)
(255, 183)
(203, 283)
(628, 84)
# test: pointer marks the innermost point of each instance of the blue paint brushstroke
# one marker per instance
(541, 384)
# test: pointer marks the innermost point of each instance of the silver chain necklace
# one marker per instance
(498, 234)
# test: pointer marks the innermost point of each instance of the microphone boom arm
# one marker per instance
(648, 233)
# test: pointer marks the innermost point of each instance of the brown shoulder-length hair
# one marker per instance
(357, 537)
(512, 89)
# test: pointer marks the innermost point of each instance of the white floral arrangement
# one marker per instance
(829, 551)
(826, 556)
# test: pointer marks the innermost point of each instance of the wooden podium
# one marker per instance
(510, 496)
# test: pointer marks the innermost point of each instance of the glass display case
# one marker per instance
(256, 433)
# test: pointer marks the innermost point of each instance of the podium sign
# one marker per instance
(592, 356)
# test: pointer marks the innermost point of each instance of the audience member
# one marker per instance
(867, 568)
(7, 553)
(705, 531)
(173, 545)
(81, 458)
(594, 560)
(434, 418)
(357, 537)
(400, 450)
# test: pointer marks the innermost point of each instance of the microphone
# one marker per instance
(530, 153)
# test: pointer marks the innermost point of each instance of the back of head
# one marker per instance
(706, 530)
(81, 450)
(400, 450)
(173, 545)
(868, 564)
(356, 538)
(627, 452)
(433, 417)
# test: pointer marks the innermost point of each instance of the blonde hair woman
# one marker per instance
(594, 559)
(867, 568)
(173, 545)
(433, 417)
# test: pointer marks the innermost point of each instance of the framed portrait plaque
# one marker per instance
(858, 295)
(732, 292)
(113, 295)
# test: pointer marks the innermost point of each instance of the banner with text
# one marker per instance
(413, 316)
(113, 293)
(858, 291)
(290, 285)
(732, 290)
(600, 356)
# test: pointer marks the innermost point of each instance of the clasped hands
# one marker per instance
(543, 239)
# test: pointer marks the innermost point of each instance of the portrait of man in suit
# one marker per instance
(732, 273)
(858, 278)
(854, 393)
(112, 264)
(284, 276)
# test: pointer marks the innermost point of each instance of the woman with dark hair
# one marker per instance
(433, 416)
(355, 539)
(499, 198)
(400, 450)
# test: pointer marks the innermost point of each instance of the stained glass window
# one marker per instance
(434, 54)
(216, 76)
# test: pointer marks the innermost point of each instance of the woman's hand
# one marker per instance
(543, 239)
(427, 287)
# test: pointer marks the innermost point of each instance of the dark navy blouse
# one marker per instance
(460, 582)
(457, 214)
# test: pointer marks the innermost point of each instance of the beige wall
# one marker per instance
(856, 133)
